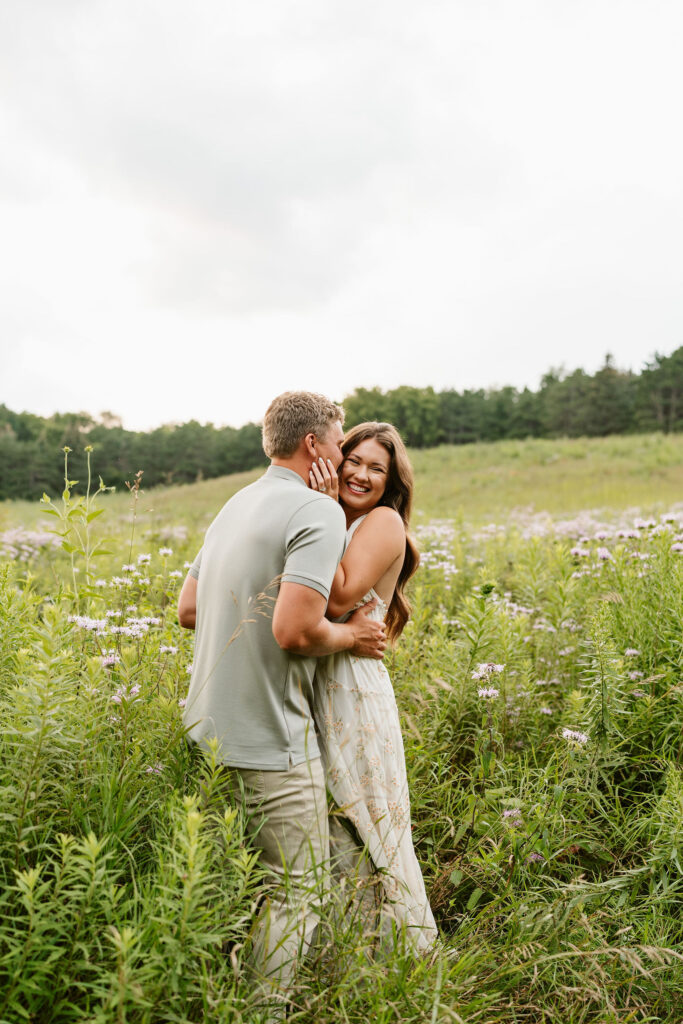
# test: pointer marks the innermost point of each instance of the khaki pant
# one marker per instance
(287, 818)
(311, 861)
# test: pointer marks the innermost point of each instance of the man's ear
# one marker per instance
(310, 440)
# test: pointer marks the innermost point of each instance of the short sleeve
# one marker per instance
(193, 571)
(314, 542)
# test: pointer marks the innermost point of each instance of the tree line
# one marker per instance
(577, 404)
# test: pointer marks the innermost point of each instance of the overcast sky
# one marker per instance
(202, 205)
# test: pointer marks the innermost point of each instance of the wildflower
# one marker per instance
(488, 692)
(574, 736)
(144, 559)
(512, 817)
(187, 565)
(546, 711)
(91, 625)
(109, 658)
(156, 769)
(639, 693)
(123, 631)
(121, 581)
(189, 668)
(164, 552)
(635, 675)
(604, 554)
(168, 649)
(486, 669)
(182, 702)
(127, 568)
(124, 694)
(578, 552)
(175, 573)
(535, 858)
(677, 546)
(100, 583)
(631, 652)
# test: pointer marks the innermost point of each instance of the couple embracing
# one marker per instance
(292, 688)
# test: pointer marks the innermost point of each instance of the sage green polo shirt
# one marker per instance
(245, 690)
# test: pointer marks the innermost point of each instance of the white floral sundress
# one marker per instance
(362, 751)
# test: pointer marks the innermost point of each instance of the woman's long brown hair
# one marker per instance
(398, 495)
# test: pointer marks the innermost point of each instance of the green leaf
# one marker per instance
(461, 832)
(474, 898)
(68, 547)
(94, 515)
(65, 494)
(456, 877)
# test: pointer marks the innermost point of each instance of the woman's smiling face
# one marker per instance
(363, 476)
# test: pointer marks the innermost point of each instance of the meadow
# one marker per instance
(540, 687)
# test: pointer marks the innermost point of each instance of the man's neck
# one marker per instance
(298, 464)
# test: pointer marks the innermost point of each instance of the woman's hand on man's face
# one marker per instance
(323, 477)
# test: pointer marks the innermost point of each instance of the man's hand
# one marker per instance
(300, 626)
(323, 477)
(370, 637)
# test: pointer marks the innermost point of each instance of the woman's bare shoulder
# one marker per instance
(384, 521)
(385, 515)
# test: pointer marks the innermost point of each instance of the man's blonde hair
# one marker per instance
(291, 416)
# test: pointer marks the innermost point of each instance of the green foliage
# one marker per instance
(548, 818)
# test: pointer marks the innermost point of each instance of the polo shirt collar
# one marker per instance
(282, 473)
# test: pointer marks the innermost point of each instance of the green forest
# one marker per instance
(576, 404)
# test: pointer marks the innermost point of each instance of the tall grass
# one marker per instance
(548, 819)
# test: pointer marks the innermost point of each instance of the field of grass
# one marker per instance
(477, 482)
(548, 815)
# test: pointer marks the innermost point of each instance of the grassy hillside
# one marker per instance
(477, 482)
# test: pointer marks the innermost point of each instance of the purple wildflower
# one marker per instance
(574, 736)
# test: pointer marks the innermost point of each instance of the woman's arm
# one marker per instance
(377, 543)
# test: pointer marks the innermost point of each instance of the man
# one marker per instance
(257, 593)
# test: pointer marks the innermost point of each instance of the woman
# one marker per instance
(356, 713)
